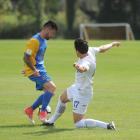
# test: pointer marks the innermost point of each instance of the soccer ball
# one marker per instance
(48, 109)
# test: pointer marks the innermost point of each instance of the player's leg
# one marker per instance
(40, 82)
(90, 123)
(79, 109)
(81, 122)
(65, 97)
(60, 108)
(48, 86)
(43, 82)
(30, 110)
(49, 89)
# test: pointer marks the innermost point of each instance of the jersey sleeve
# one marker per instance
(32, 47)
(94, 50)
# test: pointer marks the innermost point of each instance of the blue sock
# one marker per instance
(38, 102)
(46, 99)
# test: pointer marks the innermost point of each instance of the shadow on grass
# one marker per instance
(18, 126)
(48, 130)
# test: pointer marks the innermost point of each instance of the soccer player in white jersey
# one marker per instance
(81, 92)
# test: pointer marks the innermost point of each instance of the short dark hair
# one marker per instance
(81, 45)
(51, 24)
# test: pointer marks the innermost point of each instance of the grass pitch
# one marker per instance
(116, 92)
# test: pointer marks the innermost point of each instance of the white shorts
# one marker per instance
(79, 101)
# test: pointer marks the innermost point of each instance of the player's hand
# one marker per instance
(76, 65)
(115, 44)
(23, 72)
(79, 68)
(36, 73)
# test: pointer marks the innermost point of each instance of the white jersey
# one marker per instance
(84, 80)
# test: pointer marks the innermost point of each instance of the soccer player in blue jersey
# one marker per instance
(35, 69)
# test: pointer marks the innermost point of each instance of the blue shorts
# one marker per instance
(40, 80)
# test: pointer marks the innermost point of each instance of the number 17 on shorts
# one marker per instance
(79, 106)
(75, 104)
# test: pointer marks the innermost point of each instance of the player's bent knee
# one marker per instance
(80, 124)
(50, 86)
(52, 89)
(63, 97)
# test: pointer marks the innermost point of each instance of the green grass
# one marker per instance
(116, 92)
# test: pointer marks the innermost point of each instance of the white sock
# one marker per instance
(60, 108)
(90, 123)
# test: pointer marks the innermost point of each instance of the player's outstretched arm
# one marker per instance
(106, 47)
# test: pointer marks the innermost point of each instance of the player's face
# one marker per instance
(49, 33)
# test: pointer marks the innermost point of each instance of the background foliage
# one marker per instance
(20, 19)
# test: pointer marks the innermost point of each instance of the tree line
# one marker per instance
(30, 14)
